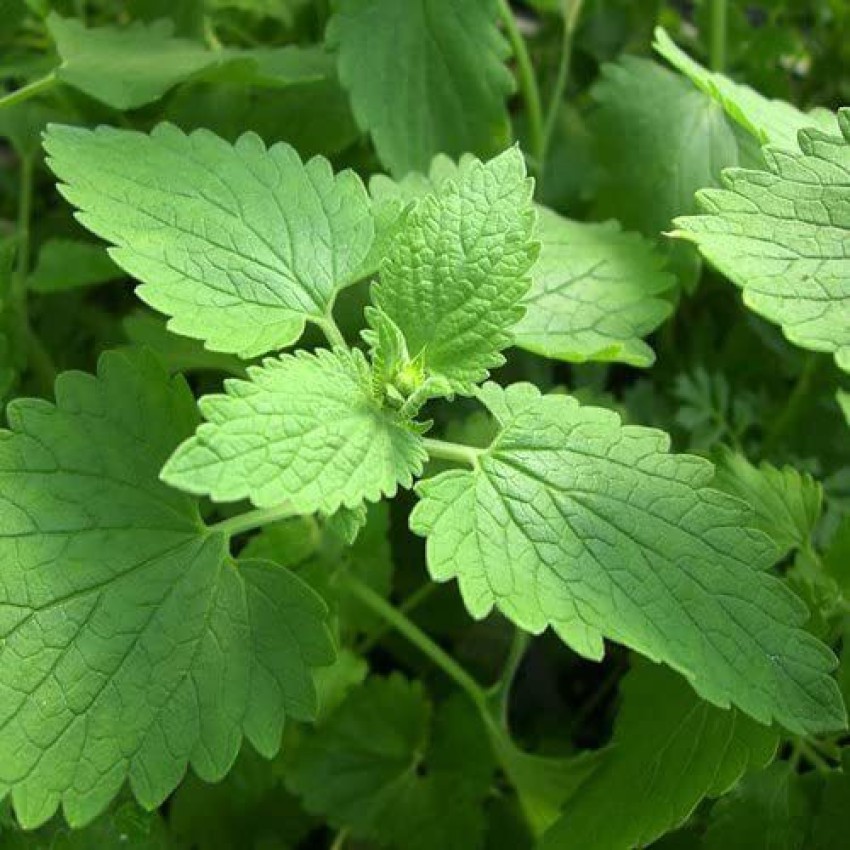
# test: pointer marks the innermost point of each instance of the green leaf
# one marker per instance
(595, 292)
(125, 826)
(425, 77)
(781, 235)
(129, 67)
(132, 644)
(239, 244)
(659, 140)
(68, 264)
(305, 430)
(574, 521)
(381, 768)
(773, 121)
(670, 750)
(455, 274)
(768, 811)
(787, 503)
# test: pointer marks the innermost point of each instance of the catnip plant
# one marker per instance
(346, 361)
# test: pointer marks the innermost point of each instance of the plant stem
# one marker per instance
(409, 604)
(502, 688)
(339, 840)
(794, 408)
(250, 520)
(528, 86)
(418, 638)
(31, 90)
(571, 12)
(717, 47)
(332, 333)
(454, 452)
(811, 755)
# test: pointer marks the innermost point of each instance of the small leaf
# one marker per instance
(781, 236)
(131, 644)
(306, 430)
(425, 77)
(68, 264)
(574, 521)
(455, 274)
(595, 292)
(240, 244)
(670, 750)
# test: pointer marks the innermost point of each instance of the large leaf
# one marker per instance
(425, 76)
(304, 430)
(238, 243)
(132, 644)
(456, 271)
(781, 235)
(595, 292)
(670, 750)
(574, 521)
(382, 768)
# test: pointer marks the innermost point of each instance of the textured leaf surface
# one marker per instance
(595, 292)
(670, 750)
(574, 521)
(786, 502)
(382, 768)
(425, 76)
(132, 645)
(456, 272)
(782, 236)
(773, 121)
(239, 244)
(68, 264)
(305, 429)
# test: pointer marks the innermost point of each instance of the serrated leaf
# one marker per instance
(595, 292)
(381, 768)
(69, 264)
(781, 236)
(132, 644)
(425, 77)
(125, 826)
(786, 502)
(770, 121)
(455, 274)
(239, 244)
(574, 521)
(305, 430)
(670, 750)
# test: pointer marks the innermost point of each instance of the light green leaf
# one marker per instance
(425, 77)
(786, 502)
(126, 826)
(595, 292)
(305, 430)
(574, 521)
(670, 750)
(455, 274)
(773, 121)
(383, 769)
(239, 244)
(781, 236)
(132, 644)
(68, 264)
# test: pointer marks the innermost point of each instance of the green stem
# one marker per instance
(571, 11)
(812, 756)
(502, 688)
(528, 86)
(717, 46)
(796, 406)
(418, 638)
(250, 520)
(332, 333)
(31, 90)
(453, 452)
(410, 604)
(339, 840)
